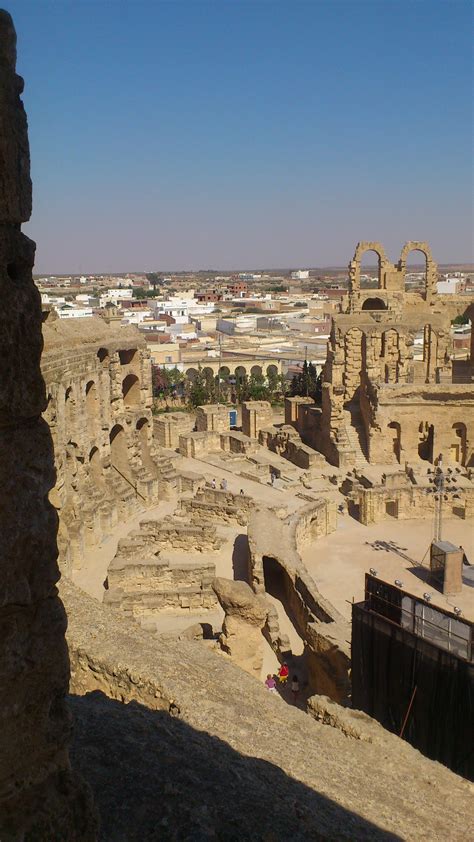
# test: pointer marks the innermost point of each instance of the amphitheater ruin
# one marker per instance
(192, 558)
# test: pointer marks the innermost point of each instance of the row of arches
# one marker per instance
(413, 274)
(239, 372)
(131, 392)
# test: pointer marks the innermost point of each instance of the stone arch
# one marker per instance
(459, 443)
(374, 304)
(131, 390)
(92, 404)
(69, 409)
(95, 466)
(128, 356)
(142, 428)
(119, 449)
(208, 371)
(103, 356)
(191, 374)
(224, 372)
(431, 266)
(395, 431)
(256, 370)
(240, 373)
(426, 441)
(355, 264)
(272, 370)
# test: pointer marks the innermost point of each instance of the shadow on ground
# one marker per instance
(156, 778)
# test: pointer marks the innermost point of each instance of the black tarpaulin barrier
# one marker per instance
(388, 663)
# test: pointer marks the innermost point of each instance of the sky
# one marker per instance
(198, 134)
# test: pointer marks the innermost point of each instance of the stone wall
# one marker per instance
(40, 797)
(212, 418)
(274, 561)
(215, 505)
(168, 427)
(405, 500)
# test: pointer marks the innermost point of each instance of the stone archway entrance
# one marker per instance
(119, 450)
(396, 434)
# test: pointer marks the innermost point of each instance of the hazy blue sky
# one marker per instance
(229, 134)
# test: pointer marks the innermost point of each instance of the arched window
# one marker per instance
(415, 271)
(459, 441)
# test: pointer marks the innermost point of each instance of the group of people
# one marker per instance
(223, 486)
(282, 677)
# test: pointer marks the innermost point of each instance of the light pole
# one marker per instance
(442, 488)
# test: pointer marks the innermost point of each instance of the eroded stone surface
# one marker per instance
(39, 795)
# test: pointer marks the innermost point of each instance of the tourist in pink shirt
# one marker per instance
(270, 683)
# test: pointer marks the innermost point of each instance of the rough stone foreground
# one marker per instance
(212, 773)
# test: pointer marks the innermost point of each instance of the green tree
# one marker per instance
(307, 383)
(154, 279)
(460, 320)
(258, 389)
(197, 392)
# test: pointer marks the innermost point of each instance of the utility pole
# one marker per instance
(219, 371)
(443, 488)
(306, 361)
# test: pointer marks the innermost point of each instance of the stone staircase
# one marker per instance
(353, 435)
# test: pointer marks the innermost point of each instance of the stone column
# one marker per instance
(40, 797)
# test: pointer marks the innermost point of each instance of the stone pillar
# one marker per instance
(40, 797)
(256, 415)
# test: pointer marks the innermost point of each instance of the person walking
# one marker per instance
(213, 484)
(224, 484)
(295, 687)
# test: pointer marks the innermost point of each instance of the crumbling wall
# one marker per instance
(158, 568)
(167, 428)
(40, 797)
(212, 418)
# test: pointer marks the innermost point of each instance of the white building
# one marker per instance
(115, 296)
(450, 286)
(300, 275)
(70, 312)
